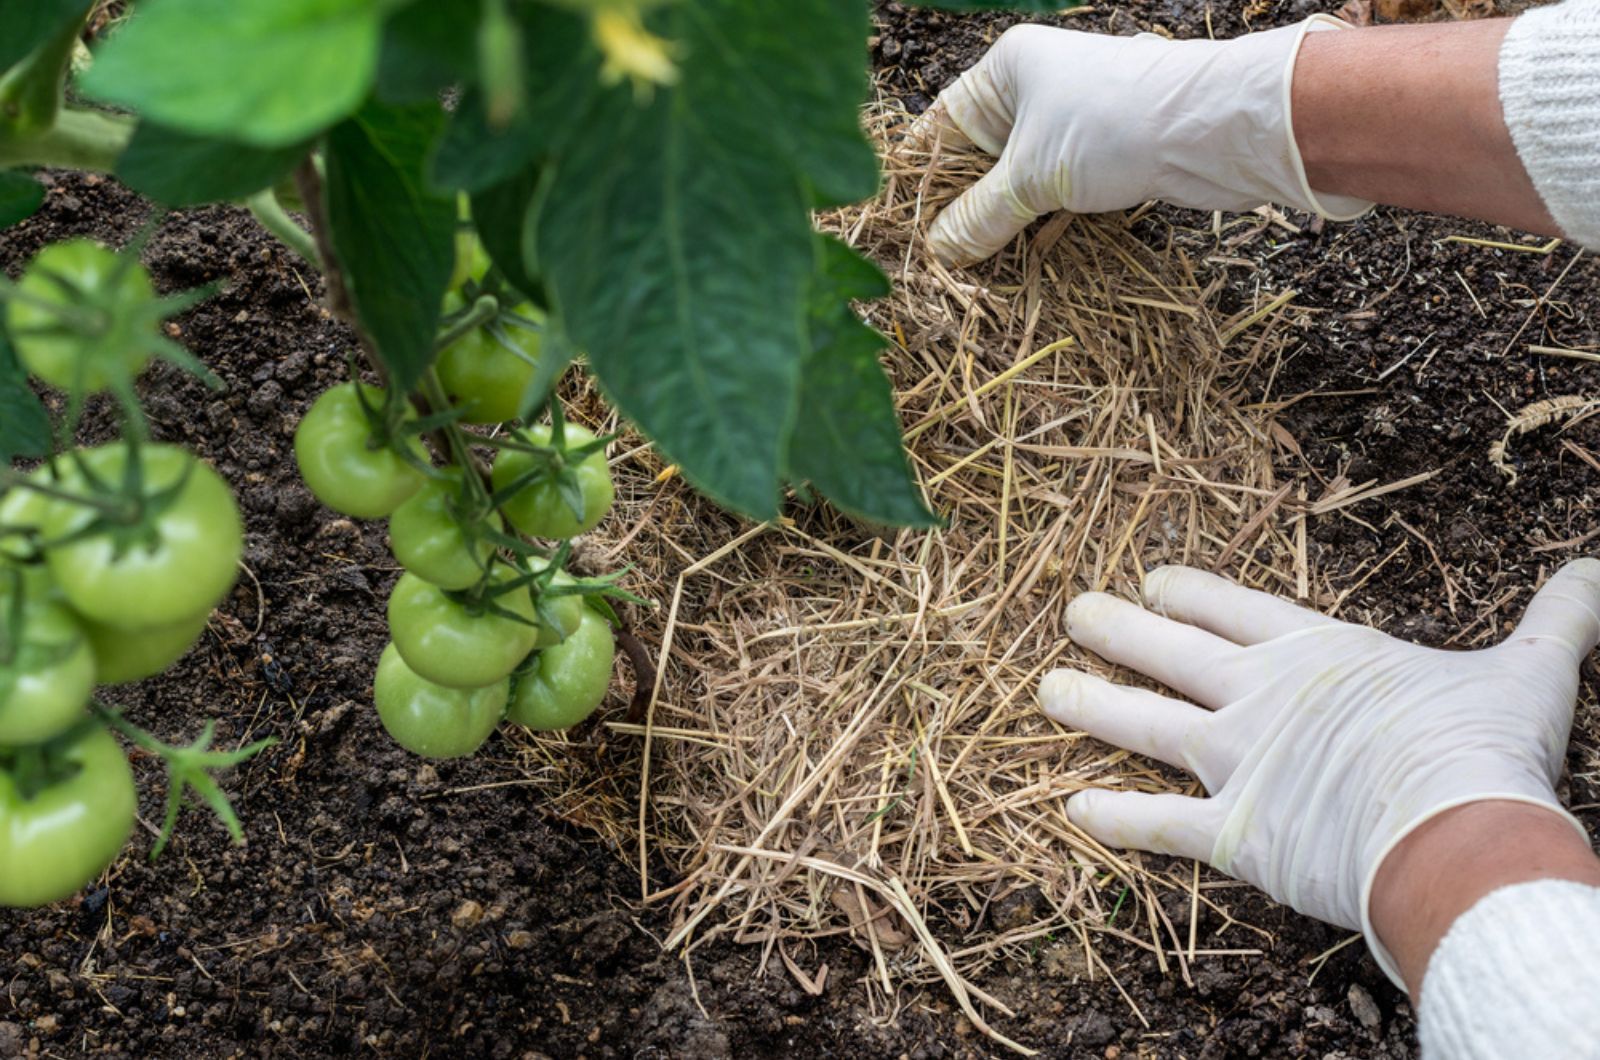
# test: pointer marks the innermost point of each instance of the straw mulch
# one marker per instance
(844, 738)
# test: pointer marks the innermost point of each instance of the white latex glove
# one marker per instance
(1090, 123)
(1325, 743)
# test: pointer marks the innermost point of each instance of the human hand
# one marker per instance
(1090, 123)
(1325, 743)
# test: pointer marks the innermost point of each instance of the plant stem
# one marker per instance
(274, 218)
(485, 309)
(11, 479)
(140, 737)
(309, 180)
(79, 139)
(31, 91)
(451, 440)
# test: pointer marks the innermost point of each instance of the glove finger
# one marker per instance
(1201, 665)
(1225, 607)
(983, 220)
(934, 124)
(1139, 720)
(1567, 609)
(1165, 824)
(981, 104)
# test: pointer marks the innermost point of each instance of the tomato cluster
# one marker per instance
(484, 624)
(111, 560)
(109, 577)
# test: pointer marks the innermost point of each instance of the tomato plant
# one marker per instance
(559, 605)
(577, 205)
(568, 680)
(430, 719)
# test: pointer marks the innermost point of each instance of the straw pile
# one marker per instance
(844, 737)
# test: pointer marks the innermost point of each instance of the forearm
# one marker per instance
(1447, 865)
(1411, 116)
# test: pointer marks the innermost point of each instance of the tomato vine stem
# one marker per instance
(79, 139)
(309, 181)
(266, 208)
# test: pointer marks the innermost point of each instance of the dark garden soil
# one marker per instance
(394, 908)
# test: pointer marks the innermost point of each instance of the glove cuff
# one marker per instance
(1331, 207)
(1379, 952)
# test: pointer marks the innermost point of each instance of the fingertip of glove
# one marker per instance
(1081, 807)
(1083, 609)
(1060, 692)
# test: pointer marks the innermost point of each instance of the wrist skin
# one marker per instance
(1448, 863)
(1410, 116)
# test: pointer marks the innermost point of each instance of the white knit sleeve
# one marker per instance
(1550, 95)
(1518, 975)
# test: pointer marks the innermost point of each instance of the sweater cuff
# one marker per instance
(1517, 975)
(1550, 96)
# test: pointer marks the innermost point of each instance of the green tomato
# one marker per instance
(333, 446)
(481, 375)
(47, 670)
(123, 655)
(452, 644)
(561, 613)
(539, 509)
(568, 681)
(178, 562)
(430, 541)
(431, 720)
(55, 843)
(72, 360)
(20, 510)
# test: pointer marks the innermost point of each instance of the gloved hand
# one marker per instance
(1325, 743)
(1089, 123)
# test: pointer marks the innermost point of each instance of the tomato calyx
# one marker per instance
(110, 316)
(189, 768)
(395, 422)
(555, 462)
(127, 512)
(36, 767)
(482, 598)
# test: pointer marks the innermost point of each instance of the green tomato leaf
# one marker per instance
(29, 23)
(24, 426)
(393, 234)
(270, 74)
(847, 439)
(1037, 7)
(20, 195)
(675, 238)
(474, 154)
(181, 169)
(500, 214)
(428, 46)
